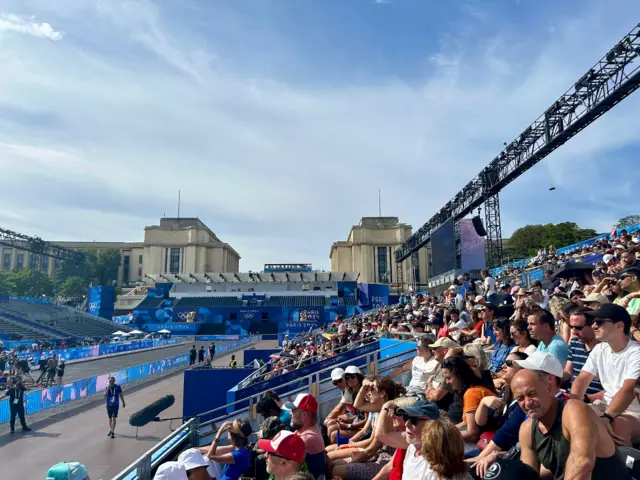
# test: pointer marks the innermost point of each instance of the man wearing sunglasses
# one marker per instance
(616, 362)
(415, 466)
(285, 454)
(580, 346)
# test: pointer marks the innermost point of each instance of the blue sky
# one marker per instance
(280, 119)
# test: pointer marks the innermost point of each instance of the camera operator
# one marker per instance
(52, 366)
(16, 403)
(60, 371)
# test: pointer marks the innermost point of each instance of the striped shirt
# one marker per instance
(578, 355)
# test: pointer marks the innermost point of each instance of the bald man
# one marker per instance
(557, 430)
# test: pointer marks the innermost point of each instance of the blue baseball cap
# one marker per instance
(421, 409)
(68, 471)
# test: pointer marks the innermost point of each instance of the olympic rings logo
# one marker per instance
(183, 315)
(93, 306)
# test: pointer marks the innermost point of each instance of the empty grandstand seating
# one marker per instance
(295, 301)
(27, 332)
(150, 302)
(65, 319)
(208, 302)
(249, 277)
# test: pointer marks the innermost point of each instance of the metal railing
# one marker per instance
(195, 430)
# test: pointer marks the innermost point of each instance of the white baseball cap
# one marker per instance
(170, 471)
(337, 374)
(192, 458)
(542, 362)
(353, 370)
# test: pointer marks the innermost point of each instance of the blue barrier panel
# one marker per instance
(390, 350)
(77, 353)
(207, 389)
(262, 354)
(270, 336)
(219, 338)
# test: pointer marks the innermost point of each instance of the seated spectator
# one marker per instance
(415, 466)
(478, 359)
(393, 423)
(304, 416)
(170, 471)
(510, 417)
(542, 327)
(488, 314)
(344, 409)
(520, 333)
(546, 365)
(471, 389)
(503, 346)
(422, 367)
(68, 471)
(285, 454)
(565, 438)
(443, 449)
(630, 282)
(580, 347)
(438, 390)
(284, 415)
(198, 467)
(473, 329)
(366, 458)
(350, 425)
(230, 462)
(615, 361)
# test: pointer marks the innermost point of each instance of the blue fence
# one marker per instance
(46, 398)
(77, 353)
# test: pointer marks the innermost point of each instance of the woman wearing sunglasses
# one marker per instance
(349, 425)
(363, 459)
(344, 411)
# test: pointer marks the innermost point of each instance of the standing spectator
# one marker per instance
(193, 353)
(113, 394)
(52, 366)
(201, 354)
(212, 352)
(490, 291)
(16, 404)
(616, 362)
(60, 371)
(3, 361)
(542, 327)
(580, 347)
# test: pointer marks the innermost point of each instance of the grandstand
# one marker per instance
(55, 321)
(14, 327)
(251, 277)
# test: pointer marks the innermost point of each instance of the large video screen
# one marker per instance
(443, 249)
(471, 246)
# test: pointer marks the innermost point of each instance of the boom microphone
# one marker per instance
(150, 413)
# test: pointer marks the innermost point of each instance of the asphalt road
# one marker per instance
(77, 371)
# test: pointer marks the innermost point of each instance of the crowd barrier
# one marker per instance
(77, 353)
(55, 396)
(217, 338)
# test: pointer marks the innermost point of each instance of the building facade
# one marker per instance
(176, 245)
(370, 250)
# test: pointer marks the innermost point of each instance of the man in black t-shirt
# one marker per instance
(16, 404)
(192, 355)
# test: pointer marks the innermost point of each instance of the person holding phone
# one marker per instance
(113, 394)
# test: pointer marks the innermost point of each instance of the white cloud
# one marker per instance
(97, 137)
(28, 26)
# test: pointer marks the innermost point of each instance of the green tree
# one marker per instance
(6, 283)
(74, 287)
(526, 241)
(99, 268)
(628, 221)
(32, 283)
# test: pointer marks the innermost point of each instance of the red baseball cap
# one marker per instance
(286, 444)
(304, 402)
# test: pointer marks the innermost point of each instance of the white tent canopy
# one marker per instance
(135, 332)
(118, 333)
(125, 334)
(164, 330)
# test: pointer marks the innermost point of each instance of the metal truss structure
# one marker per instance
(39, 248)
(611, 80)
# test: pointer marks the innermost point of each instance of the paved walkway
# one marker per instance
(83, 437)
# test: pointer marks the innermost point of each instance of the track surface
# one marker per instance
(82, 436)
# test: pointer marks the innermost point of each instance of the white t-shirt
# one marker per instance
(489, 286)
(347, 398)
(612, 369)
(416, 468)
(530, 349)
(460, 324)
(420, 372)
